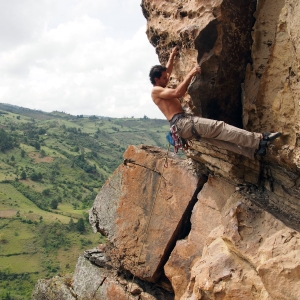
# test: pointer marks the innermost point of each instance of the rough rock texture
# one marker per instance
(135, 192)
(53, 289)
(216, 34)
(273, 187)
(187, 250)
(242, 253)
(96, 281)
(272, 88)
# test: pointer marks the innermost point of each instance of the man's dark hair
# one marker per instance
(156, 72)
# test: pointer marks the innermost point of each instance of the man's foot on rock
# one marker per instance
(262, 148)
(270, 136)
(263, 144)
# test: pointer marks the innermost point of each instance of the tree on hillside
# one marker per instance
(6, 141)
(42, 153)
(36, 176)
(72, 225)
(54, 204)
(46, 192)
(23, 153)
(42, 131)
(37, 145)
(80, 225)
(23, 175)
(8, 296)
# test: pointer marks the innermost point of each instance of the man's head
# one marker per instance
(156, 72)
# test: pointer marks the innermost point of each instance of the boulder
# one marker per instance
(91, 282)
(141, 209)
(55, 288)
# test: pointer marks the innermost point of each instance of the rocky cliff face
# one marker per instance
(216, 225)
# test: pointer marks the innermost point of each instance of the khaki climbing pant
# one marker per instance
(218, 133)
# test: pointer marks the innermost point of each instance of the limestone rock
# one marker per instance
(91, 282)
(123, 207)
(88, 280)
(205, 218)
(53, 289)
(269, 185)
(97, 256)
(245, 254)
(271, 90)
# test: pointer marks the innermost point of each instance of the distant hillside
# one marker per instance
(51, 167)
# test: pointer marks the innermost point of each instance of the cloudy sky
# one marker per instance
(77, 56)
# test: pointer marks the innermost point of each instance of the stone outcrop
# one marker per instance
(272, 186)
(98, 281)
(232, 248)
(242, 253)
(54, 288)
(216, 225)
(140, 210)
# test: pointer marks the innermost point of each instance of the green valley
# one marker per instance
(52, 165)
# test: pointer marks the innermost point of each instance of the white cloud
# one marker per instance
(75, 63)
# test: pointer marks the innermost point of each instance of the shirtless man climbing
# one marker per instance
(210, 131)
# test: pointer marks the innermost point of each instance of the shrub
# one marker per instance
(80, 225)
(23, 153)
(23, 175)
(46, 192)
(36, 176)
(54, 236)
(54, 204)
(42, 153)
(42, 131)
(37, 145)
(6, 141)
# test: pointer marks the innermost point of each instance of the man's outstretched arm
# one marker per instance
(170, 62)
(180, 90)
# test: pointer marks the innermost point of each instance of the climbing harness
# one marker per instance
(175, 140)
(173, 137)
(151, 213)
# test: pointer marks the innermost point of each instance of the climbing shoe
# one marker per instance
(263, 144)
(270, 136)
(262, 148)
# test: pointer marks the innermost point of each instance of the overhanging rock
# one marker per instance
(215, 34)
